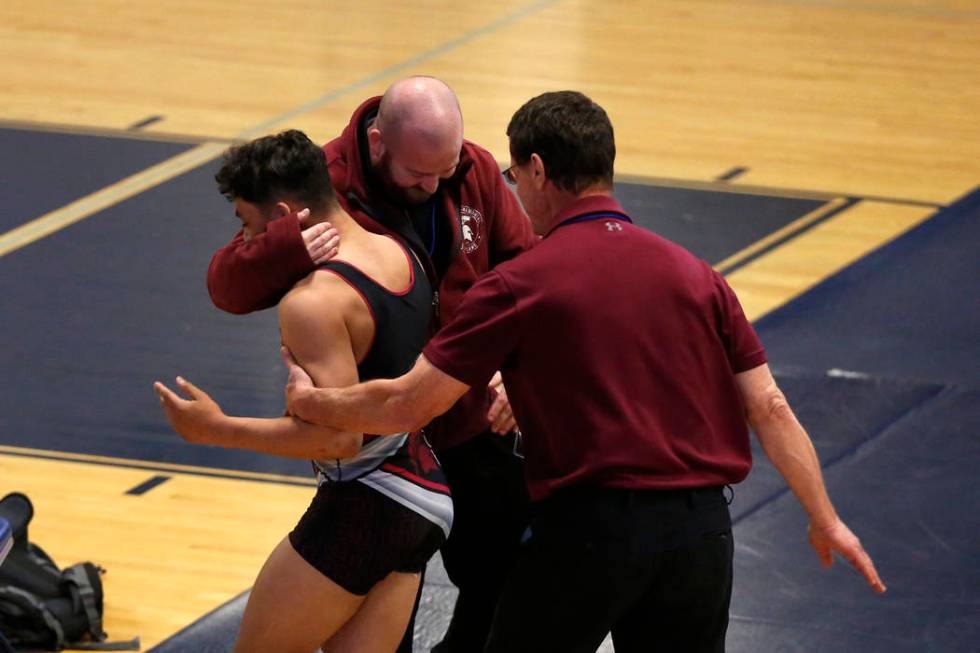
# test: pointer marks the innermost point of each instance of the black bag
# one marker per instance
(42, 606)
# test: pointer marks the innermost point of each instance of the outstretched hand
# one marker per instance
(321, 240)
(836, 536)
(196, 419)
(297, 385)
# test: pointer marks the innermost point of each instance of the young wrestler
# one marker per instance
(346, 577)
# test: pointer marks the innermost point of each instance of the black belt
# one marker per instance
(646, 495)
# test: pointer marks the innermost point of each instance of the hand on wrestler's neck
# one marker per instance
(345, 225)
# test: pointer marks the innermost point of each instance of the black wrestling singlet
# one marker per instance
(402, 467)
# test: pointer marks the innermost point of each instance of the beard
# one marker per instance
(398, 195)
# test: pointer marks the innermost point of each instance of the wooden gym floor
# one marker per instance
(851, 123)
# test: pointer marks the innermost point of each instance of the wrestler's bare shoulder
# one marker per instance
(320, 292)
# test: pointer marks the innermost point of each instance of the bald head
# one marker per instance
(417, 138)
(423, 111)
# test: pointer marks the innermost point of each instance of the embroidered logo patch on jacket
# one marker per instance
(471, 225)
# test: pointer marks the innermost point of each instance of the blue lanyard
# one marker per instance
(589, 217)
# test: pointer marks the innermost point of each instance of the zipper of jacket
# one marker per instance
(457, 238)
(454, 250)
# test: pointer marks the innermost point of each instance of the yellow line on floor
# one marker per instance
(149, 465)
(102, 199)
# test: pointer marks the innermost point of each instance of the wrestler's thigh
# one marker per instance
(293, 607)
(379, 624)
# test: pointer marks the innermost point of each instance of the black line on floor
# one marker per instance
(146, 122)
(767, 191)
(731, 174)
(148, 485)
(851, 201)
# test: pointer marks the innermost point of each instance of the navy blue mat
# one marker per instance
(840, 414)
(910, 494)
(713, 224)
(42, 171)
(903, 325)
(95, 312)
(910, 309)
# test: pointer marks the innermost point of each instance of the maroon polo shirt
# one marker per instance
(619, 351)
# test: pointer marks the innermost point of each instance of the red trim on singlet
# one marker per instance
(411, 271)
(374, 319)
(418, 480)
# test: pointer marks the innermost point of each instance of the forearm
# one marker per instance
(246, 276)
(381, 407)
(286, 436)
(788, 446)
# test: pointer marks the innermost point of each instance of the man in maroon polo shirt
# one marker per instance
(632, 371)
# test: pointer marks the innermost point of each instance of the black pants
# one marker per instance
(655, 568)
(491, 512)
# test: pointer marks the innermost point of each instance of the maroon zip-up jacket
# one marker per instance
(487, 224)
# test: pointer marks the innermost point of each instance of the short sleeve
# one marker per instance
(481, 336)
(745, 350)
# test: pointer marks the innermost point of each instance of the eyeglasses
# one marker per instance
(509, 175)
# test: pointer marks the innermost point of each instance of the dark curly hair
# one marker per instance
(572, 135)
(287, 165)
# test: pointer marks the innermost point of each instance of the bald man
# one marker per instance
(403, 167)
